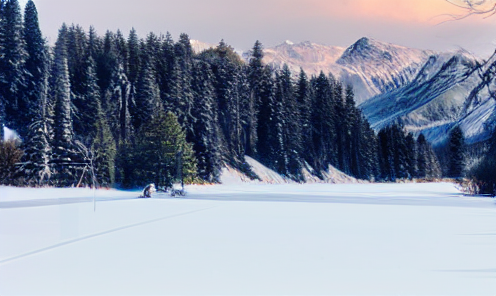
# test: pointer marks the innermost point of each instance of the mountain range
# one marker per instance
(428, 92)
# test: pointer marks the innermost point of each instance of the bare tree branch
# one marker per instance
(485, 8)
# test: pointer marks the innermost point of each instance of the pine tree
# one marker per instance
(229, 97)
(368, 156)
(2, 75)
(147, 101)
(167, 65)
(456, 146)
(484, 174)
(36, 66)
(181, 94)
(133, 59)
(411, 155)
(104, 149)
(35, 167)
(304, 95)
(350, 134)
(159, 141)
(65, 160)
(107, 61)
(290, 128)
(76, 42)
(12, 67)
(323, 123)
(94, 44)
(265, 116)
(207, 139)
(422, 156)
(91, 103)
(118, 101)
(255, 75)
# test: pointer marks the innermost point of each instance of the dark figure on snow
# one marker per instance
(149, 189)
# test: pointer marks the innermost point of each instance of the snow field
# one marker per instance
(250, 239)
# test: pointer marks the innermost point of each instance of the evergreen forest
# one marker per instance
(122, 111)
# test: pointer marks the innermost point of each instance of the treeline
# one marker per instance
(116, 110)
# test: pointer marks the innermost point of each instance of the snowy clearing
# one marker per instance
(249, 239)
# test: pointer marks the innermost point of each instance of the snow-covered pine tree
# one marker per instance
(152, 51)
(66, 161)
(2, 45)
(181, 94)
(255, 76)
(456, 146)
(133, 59)
(118, 101)
(76, 42)
(120, 46)
(167, 64)
(265, 113)
(304, 95)
(107, 61)
(147, 101)
(291, 129)
(277, 143)
(94, 44)
(90, 96)
(12, 67)
(207, 138)
(35, 168)
(323, 123)
(36, 66)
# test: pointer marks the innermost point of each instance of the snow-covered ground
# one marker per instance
(249, 239)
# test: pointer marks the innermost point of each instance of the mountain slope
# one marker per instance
(374, 67)
(449, 89)
(371, 66)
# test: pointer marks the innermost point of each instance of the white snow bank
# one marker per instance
(318, 239)
(267, 176)
(8, 193)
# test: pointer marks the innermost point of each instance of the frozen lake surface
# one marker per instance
(249, 239)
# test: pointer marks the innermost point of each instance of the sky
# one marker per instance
(411, 23)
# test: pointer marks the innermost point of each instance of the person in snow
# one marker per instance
(149, 189)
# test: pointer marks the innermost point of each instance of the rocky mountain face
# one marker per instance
(450, 89)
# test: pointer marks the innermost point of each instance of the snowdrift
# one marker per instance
(267, 176)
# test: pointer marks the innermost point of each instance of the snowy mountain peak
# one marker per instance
(362, 44)
(288, 42)
(367, 49)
